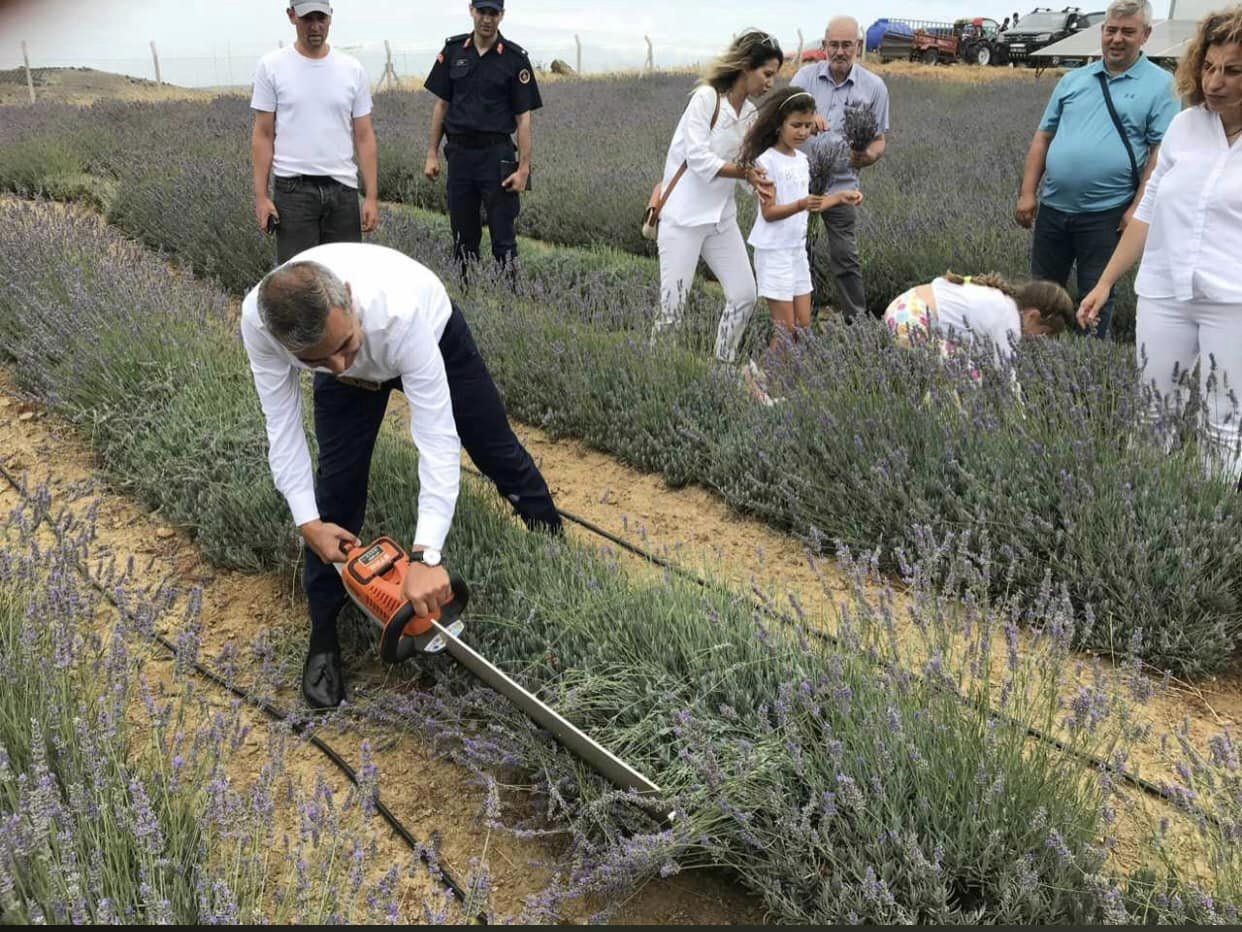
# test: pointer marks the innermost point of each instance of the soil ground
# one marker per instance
(428, 795)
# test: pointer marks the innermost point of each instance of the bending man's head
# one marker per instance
(310, 312)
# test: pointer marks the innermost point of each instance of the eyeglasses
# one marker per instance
(840, 46)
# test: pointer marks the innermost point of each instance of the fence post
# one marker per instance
(155, 57)
(798, 57)
(29, 79)
(578, 43)
(650, 64)
(389, 78)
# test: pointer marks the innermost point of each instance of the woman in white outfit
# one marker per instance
(1188, 231)
(699, 217)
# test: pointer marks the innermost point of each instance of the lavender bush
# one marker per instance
(930, 204)
(835, 789)
(595, 307)
(116, 798)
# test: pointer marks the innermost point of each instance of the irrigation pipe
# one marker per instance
(276, 714)
(1128, 777)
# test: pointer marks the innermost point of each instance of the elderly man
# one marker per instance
(837, 84)
(1094, 150)
(366, 320)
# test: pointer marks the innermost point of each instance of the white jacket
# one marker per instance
(700, 196)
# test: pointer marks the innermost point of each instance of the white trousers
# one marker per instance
(721, 246)
(1170, 335)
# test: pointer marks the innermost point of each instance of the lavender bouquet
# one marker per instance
(829, 155)
(861, 126)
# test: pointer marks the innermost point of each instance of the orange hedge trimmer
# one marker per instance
(373, 577)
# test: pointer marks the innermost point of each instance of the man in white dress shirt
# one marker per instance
(366, 320)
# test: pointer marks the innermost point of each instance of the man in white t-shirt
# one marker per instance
(312, 108)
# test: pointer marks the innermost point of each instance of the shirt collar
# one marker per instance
(1098, 68)
(825, 72)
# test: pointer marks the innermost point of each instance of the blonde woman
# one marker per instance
(1188, 233)
(699, 219)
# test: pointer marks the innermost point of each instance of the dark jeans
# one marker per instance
(347, 422)
(314, 211)
(841, 228)
(1087, 240)
(474, 187)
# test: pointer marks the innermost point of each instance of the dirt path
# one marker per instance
(428, 795)
(698, 530)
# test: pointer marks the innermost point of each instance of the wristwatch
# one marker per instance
(426, 557)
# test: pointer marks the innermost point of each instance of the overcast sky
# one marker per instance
(207, 42)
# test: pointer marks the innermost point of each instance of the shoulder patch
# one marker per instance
(524, 76)
(515, 47)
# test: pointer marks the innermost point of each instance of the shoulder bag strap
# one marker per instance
(1121, 131)
(684, 165)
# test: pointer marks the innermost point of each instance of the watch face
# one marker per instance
(431, 557)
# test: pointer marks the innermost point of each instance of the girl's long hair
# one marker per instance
(766, 130)
(1222, 28)
(748, 51)
(1055, 306)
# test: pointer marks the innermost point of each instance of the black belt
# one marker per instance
(313, 179)
(479, 140)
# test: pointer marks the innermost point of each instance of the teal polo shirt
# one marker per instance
(1088, 169)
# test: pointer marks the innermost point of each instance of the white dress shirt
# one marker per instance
(404, 309)
(700, 196)
(967, 311)
(1194, 206)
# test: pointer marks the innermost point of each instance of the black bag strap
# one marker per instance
(1121, 131)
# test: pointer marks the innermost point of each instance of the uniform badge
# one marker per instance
(524, 76)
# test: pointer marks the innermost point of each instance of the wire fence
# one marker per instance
(411, 62)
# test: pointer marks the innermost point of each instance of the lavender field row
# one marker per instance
(943, 196)
(873, 450)
(836, 790)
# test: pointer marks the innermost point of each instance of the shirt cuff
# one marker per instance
(431, 531)
(304, 507)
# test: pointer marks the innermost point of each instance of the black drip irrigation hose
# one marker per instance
(1128, 777)
(302, 729)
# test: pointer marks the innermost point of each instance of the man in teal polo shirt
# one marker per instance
(1092, 180)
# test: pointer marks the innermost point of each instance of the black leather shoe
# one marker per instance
(323, 680)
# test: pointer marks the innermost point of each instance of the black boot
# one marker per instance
(323, 679)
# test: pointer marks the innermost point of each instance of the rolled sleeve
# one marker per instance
(700, 158)
(263, 97)
(425, 384)
(280, 397)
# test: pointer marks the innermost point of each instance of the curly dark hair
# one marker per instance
(1224, 28)
(765, 132)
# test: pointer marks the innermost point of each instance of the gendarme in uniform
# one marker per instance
(486, 93)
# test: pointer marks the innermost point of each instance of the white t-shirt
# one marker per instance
(404, 310)
(965, 312)
(792, 177)
(315, 101)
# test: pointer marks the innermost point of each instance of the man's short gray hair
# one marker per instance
(294, 302)
(1121, 9)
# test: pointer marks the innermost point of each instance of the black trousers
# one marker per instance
(347, 422)
(474, 187)
(314, 212)
(1086, 240)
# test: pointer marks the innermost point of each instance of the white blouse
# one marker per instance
(700, 196)
(1194, 206)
